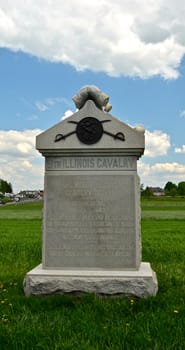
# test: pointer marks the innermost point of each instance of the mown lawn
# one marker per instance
(90, 322)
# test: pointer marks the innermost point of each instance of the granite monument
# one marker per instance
(91, 217)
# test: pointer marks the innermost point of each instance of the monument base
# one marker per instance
(137, 283)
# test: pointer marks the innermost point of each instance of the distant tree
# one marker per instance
(10, 188)
(5, 187)
(173, 192)
(147, 193)
(181, 188)
(2, 186)
(170, 188)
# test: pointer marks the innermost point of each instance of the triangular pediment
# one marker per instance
(91, 129)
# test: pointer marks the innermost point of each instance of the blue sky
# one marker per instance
(46, 57)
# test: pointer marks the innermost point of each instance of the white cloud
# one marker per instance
(133, 38)
(157, 143)
(16, 144)
(43, 106)
(159, 174)
(20, 163)
(54, 100)
(170, 168)
(182, 113)
(180, 149)
(67, 114)
(26, 164)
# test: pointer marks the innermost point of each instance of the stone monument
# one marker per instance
(91, 218)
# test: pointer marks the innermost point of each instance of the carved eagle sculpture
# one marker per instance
(91, 92)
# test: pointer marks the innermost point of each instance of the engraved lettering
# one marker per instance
(87, 163)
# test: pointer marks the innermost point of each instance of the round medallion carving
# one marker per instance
(89, 130)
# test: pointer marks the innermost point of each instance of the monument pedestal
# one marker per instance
(136, 283)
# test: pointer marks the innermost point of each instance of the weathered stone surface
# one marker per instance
(91, 92)
(95, 224)
(140, 283)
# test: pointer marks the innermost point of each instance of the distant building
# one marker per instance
(9, 195)
(157, 191)
(30, 194)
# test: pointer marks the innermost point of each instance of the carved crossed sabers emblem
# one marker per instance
(89, 131)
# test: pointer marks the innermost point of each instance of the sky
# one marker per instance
(133, 50)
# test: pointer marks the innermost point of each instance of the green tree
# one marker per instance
(5, 187)
(181, 188)
(10, 187)
(147, 193)
(173, 192)
(170, 188)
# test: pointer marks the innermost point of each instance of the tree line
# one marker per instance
(173, 189)
(5, 187)
(170, 189)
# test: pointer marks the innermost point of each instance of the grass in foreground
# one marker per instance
(68, 322)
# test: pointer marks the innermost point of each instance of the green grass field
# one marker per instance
(90, 322)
